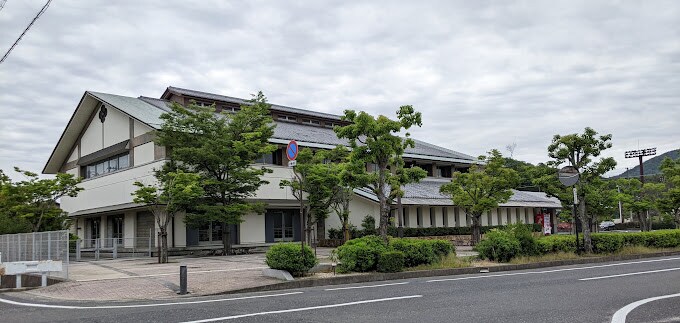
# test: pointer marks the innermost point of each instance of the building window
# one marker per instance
(117, 230)
(330, 124)
(275, 158)
(210, 232)
(201, 104)
(406, 216)
(106, 166)
(287, 118)
(312, 122)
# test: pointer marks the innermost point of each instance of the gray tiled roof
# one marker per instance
(217, 97)
(135, 107)
(426, 192)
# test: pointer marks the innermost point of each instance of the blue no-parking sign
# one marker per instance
(292, 150)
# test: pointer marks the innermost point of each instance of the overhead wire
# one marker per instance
(44, 8)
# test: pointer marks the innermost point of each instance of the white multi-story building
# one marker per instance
(109, 143)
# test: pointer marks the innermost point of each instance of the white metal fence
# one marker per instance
(37, 246)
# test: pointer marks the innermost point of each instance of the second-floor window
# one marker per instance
(311, 121)
(287, 118)
(108, 165)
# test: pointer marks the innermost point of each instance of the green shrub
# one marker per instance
(391, 262)
(442, 247)
(607, 242)
(361, 254)
(499, 245)
(527, 242)
(416, 252)
(447, 231)
(663, 239)
(334, 233)
(557, 243)
(288, 256)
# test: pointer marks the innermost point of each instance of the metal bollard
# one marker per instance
(183, 280)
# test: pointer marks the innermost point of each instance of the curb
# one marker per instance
(374, 277)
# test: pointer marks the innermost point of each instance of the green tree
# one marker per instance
(9, 199)
(578, 150)
(601, 201)
(221, 147)
(641, 199)
(316, 178)
(172, 193)
(35, 199)
(670, 201)
(375, 143)
(482, 189)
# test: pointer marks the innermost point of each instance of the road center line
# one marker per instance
(368, 286)
(224, 318)
(554, 270)
(71, 307)
(632, 274)
(620, 315)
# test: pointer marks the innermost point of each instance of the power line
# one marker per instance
(25, 30)
(2, 4)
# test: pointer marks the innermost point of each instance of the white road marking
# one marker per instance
(367, 286)
(632, 274)
(305, 309)
(620, 315)
(554, 270)
(71, 307)
(171, 274)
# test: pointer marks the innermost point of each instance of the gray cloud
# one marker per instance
(484, 74)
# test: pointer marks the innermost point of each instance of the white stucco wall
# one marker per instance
(92, 138)
(180, 231)
(252, 229)
(74, 154)
(140, 128)
(272, 190)
(116, 127)
(359, 207)
(144, 153)
(73, 171)
(111, 189)
(129, 228)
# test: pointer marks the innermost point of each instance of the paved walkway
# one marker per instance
(144, 278)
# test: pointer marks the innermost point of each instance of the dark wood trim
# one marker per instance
(132, 141)
(70, 165)
(143, 139)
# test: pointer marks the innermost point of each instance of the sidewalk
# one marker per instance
(144, 278)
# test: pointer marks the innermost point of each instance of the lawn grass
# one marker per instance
(450, 261)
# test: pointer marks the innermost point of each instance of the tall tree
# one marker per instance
(482, 189)
(316, 180)
(221, 147)
(172, 193)
(9, 199)
(641, 199)
(375, 142)
(578, 150)
(670, 201)
(36, 199)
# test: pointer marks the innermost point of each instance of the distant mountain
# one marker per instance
(651, 165)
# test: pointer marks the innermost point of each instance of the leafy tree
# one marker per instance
(670, 201)
(221, 148)
(173, 192)
(601, 201)
(578, 150)
(317, 178)
(375, 142)
(482, 189)
(9, 221)
(35, 199)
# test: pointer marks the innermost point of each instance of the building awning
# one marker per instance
(107, 152)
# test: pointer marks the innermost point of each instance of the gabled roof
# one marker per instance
(218, 97)
(133, 107)
(148, 111)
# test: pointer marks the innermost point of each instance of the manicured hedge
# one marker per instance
(369, 253)
(447, 231)
(391, 262)
(287, 256)
(499, 245)
(636, 225)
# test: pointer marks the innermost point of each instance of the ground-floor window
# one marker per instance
(210, 232)
(117, 229)
(282, 225)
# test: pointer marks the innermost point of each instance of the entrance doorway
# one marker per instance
(283, 226)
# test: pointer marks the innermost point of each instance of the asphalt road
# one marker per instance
(583, 293)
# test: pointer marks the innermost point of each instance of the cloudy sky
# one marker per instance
(484, 74)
